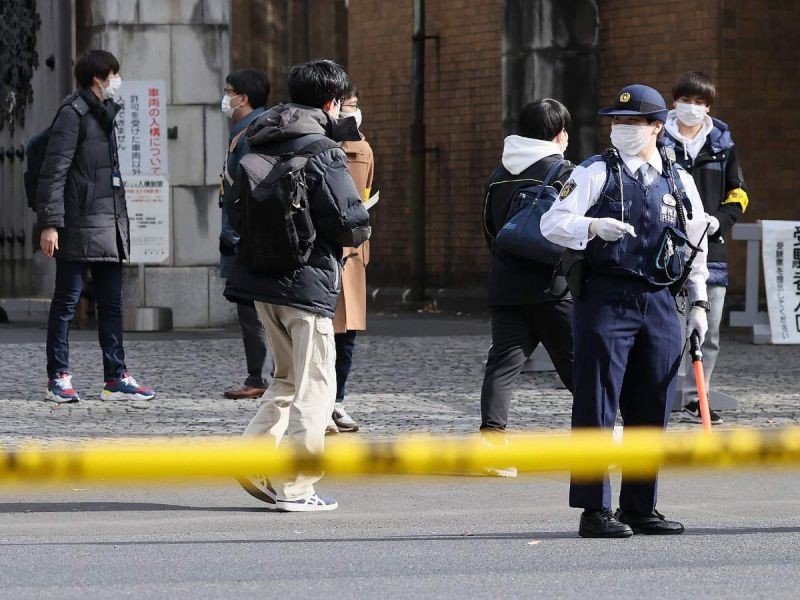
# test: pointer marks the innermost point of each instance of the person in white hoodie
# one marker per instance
(523, 312)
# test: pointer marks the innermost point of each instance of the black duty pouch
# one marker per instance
(574, 268)
(670, 258)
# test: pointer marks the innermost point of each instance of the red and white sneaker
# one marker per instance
(59, 389)
(125, 388)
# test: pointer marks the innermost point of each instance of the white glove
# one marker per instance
(610, 229)
(713, 224)
(698, 321)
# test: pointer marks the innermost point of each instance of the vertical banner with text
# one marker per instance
(142, 148)
(781, 256)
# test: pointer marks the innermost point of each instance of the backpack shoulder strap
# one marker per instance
(551, 176)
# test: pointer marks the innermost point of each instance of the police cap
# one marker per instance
(638, 101)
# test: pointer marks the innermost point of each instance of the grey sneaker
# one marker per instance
(343, 421)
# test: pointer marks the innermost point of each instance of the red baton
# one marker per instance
(700, 380)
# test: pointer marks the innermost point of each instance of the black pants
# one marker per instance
(516, 331)
(258, 354)
(345, 344)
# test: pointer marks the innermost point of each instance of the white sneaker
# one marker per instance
(311, 504)
(504, 472)
(258, 486)
(494, 440)
(331, 428)
(342, 420)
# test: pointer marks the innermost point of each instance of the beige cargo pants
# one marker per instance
(300, 401)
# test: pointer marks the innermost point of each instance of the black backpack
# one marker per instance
(272, 212)
(36, 150)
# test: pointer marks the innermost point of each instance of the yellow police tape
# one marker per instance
(587, 453)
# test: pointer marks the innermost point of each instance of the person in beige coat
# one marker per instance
(351, 311)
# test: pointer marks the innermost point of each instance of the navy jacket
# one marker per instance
(720, 181)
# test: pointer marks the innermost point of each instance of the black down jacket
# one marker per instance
(75, 193)
(335, 205)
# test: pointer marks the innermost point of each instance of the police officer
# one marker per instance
(636, 216)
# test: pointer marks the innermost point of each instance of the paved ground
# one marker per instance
(399, 538)
(411, 374)
(395, 537)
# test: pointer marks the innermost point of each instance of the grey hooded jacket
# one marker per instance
(337, 211)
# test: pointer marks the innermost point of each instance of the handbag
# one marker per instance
(521, 235)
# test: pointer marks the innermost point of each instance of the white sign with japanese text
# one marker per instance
(142, 128)
(147, 199)
(780, 248)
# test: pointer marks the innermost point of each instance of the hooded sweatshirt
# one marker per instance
(691, 146)
(519, 152)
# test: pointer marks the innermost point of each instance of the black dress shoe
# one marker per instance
(602, 524)
(649, 523)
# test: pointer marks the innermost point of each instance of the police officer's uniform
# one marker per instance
(627, 330)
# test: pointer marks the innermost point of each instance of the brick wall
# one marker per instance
(750, 48)
(463, 117)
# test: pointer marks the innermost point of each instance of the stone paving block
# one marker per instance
(221, 313)
(195, 225)
(216, 142)
(186, 163)
(184, 290)
(114, 11)
(170, 11)
(399, 382)
(201, 60)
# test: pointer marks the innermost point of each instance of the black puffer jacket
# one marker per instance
(75, 192)
(337, 212)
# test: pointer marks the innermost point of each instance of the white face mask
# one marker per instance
(630, 139)
(690, 114)
(356, 114)
(114, 85)
(226, 107)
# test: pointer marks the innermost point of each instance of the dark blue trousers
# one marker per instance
(107, 279)
(345, 345)
(628, 343)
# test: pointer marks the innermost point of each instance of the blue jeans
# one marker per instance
(108, 291)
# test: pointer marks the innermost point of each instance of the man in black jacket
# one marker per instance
(296, 306)
(81, 213)
(523, 312)
(705, 148)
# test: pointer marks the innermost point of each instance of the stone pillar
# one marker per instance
(550, 49)
(186, 43)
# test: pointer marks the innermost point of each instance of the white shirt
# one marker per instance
(566, 223)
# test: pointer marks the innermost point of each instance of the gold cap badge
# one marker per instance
(625, 96)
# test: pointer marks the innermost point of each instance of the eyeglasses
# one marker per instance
(353, 104)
